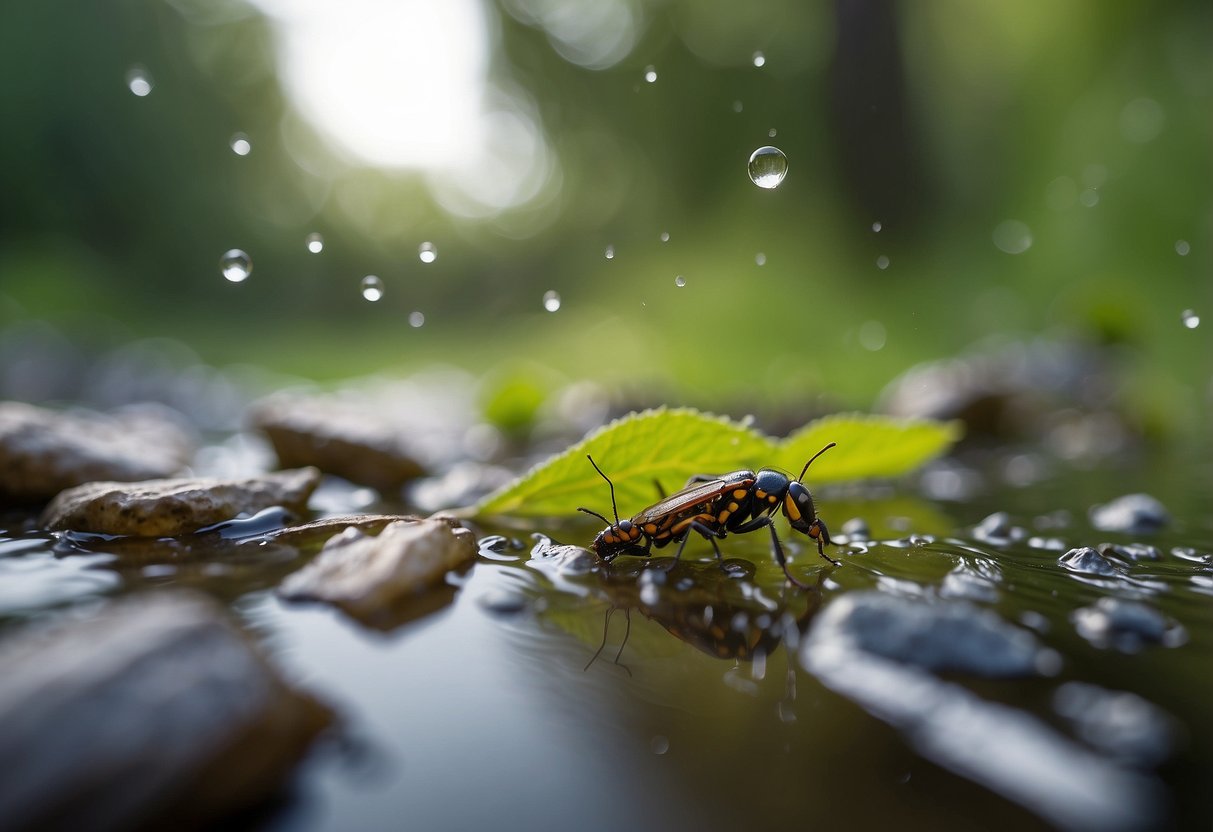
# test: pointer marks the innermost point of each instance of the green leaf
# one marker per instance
(657, 445)
(868, 446)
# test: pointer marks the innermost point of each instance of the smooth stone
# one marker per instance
(154, 711)
(43, 451)
(167, 508)
(1131, 514)
(381, 580)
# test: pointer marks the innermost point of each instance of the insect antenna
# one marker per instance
(614, 510)
(805, 470)
(595, 514)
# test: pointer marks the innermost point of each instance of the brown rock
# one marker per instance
(155, 711)
(44, 451)
(166, 508)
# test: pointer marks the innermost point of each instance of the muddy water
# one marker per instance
(540, 689)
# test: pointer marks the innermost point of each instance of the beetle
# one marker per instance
(737, 502)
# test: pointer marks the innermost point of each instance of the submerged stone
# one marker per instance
(167, 508)
(154, 711)
(1131, 514)
(45, 451)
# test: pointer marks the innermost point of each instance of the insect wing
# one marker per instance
(687, 498)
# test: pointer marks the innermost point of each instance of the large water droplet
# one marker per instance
(760, 259)
(771, 133)
(876, 226)
(235, 265)
(427, 252)
(139, 81)
(1089, 197)
(551, 300)
(241, 146)
(1182, 248)
(1012, 236)
(665, 236)
(680, 281)
(738, 106)
(650, 74)
(768, 166)
(610, 252)
(1190, 319)
(315, 243)
(882, 262)
(372, 288)
(416, 319)
(759, 59)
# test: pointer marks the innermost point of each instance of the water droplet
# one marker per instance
(872, 335)
(768, 166)
(139, 81)
(551, 300)
(771, 133)
(610, 252)
(760, 259)
(1012, 236)
(665, 236)
(680, 281)
(659, 744)
(1190, 319)
(650, 74)
(315, 243)
(876, 226)
(759, 59)
(416, 319)
(372, 288)
(1089, 197)
(241, 146)
(1182, 248)
(235, 265)
(738, 106)
(427, 252)
(882, 262)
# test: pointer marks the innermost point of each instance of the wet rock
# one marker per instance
(44, 451)
(382, 581)
(997, 530)
(1089, 562)
(167, 508)
(154, 711)
(951, 636)
(1129, 552)
(1131, 514)
(1119, 724)
(321, 530)
(1127, 626)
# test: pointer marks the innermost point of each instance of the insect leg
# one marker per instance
(776, 547)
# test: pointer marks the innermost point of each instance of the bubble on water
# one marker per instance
(551, 300)
(650, 74)
(872, 336)
(680, 281)
(1190, 319)
(416, 319)
(240, 144)
(315, 243)
(759, 59)
(771, 133)
(1012, 236)
(372, 288)
(1182, 248)
(665, 236)
(139, 81)
(760, 259)
(876, 226)
(768, 166)
(610, 252)
(882, 262)
(235, 265)
(427, 252)
(1089, 197)
(738, 106)
(1142, 120)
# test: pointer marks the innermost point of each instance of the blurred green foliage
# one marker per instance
(1088, 123)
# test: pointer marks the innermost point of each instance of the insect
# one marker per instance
(738, 502)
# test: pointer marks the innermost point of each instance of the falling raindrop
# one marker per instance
(650, 74)
(882, 262)
(1190, 319)
(876, 226)
(665, 236)
(315, 243)
(138, 80)
(759, 59)
(372, 288)
(760, 259)
(427, 252)
(1182, 248)
(680, 281)
(241, 146)
(1012, 236)
(610, 252)
(416, 320)
(768, 166)
(235, 265)
(551, 300)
